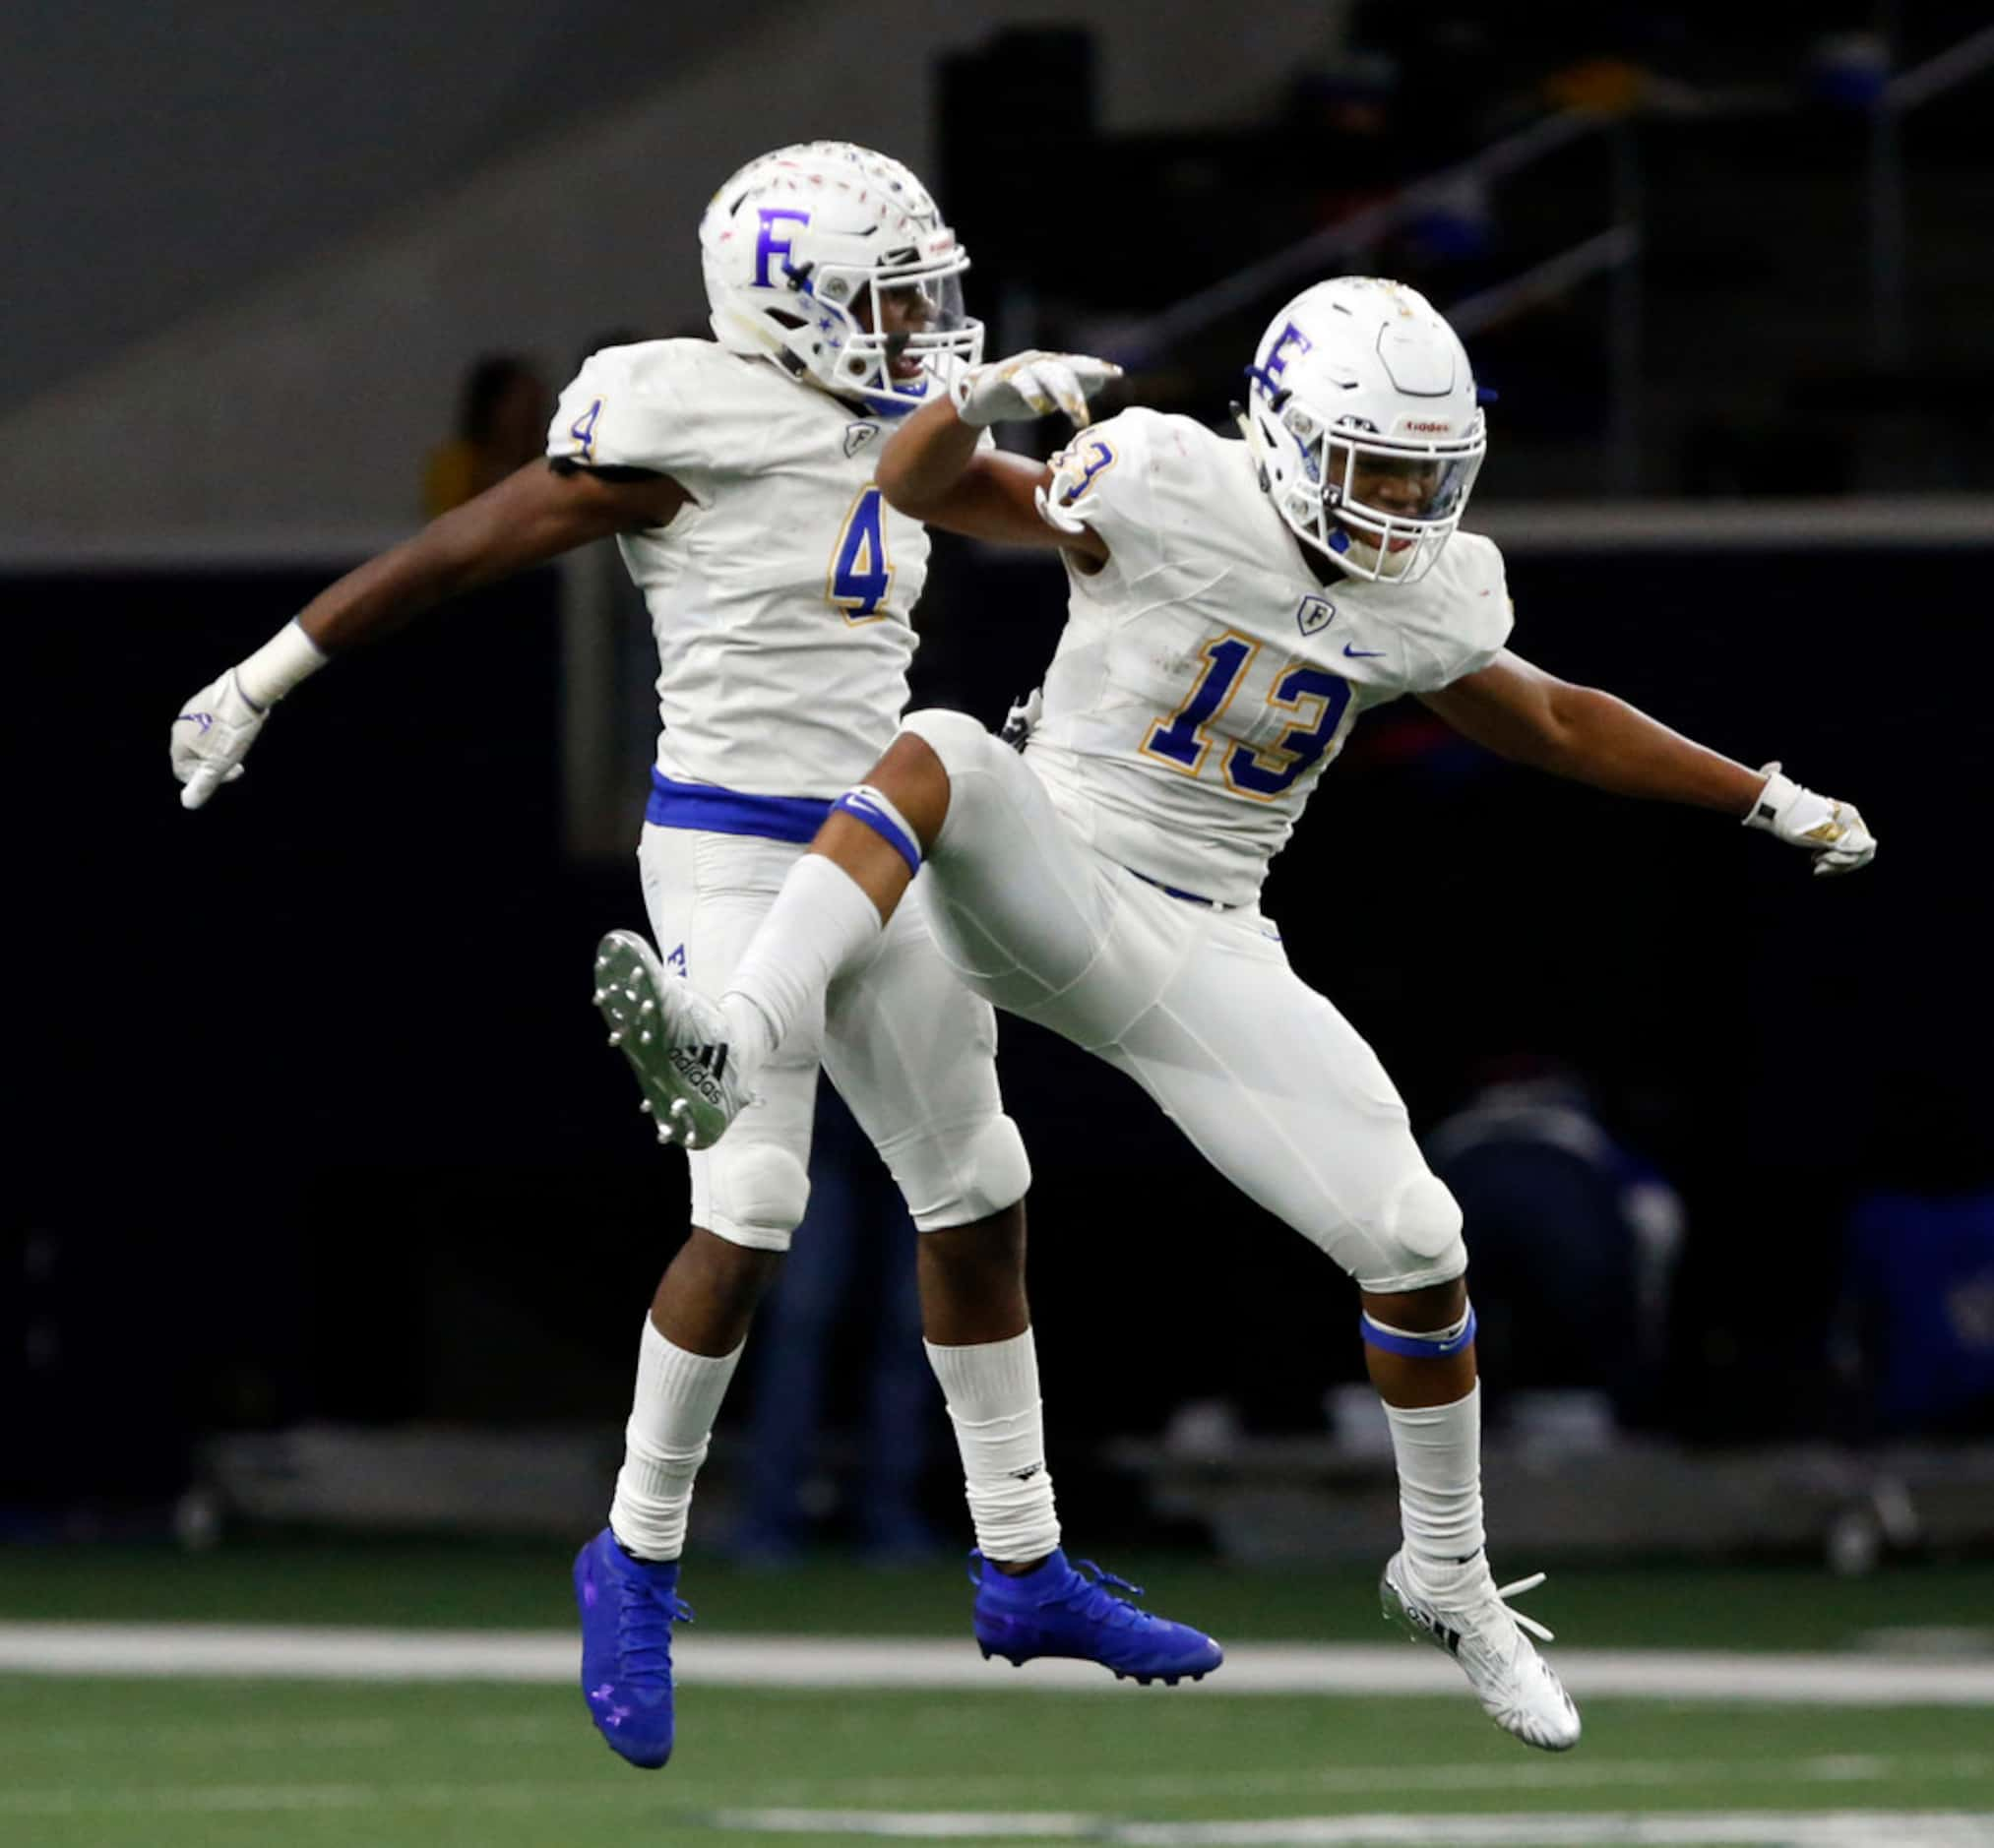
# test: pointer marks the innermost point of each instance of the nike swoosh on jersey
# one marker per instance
(1358, 654)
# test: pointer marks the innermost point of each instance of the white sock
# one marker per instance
(992, 1390)
(1438, 1449)
(821, 921)
(678, 1396)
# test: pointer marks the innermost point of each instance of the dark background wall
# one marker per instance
(205, 147)
(315, 1118)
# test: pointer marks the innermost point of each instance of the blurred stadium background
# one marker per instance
(328, 1221)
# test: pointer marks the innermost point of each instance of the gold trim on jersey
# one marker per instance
(1217, 712)
(1300, 728)
(851, 607)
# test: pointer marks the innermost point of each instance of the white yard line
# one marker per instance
(1581, 1771)
(1615, 1828)
(260, 1651)
(1849, 1829)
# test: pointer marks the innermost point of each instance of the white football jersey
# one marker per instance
(780, 594)
(1205, 676)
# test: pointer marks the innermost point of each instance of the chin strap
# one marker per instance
(1255, 444)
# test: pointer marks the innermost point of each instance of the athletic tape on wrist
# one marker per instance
(288, 656)
(1438, 1345)
(865, 803)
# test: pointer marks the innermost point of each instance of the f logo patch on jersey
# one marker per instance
(1313, 614)
(857, 436)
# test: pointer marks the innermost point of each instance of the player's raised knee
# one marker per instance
(1420, 1230)
(758, 1195)
(956, 738)
(958, 1179)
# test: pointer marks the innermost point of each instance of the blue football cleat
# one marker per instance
(1056, 1610)
(628, 1607)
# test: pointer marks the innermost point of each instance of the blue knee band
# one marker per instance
(1418, 1346)
(868, 806)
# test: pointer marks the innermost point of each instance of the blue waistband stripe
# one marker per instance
(1418, 1346)
(712, 809)
(860, 805)
(1189, 897)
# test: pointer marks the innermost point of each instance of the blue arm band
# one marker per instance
(1419, 1346)
(863, 805)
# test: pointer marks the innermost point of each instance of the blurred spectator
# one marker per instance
(1847, 69)
(850, 1272)
(500, 425)
(1597, 86)
(1571, 1239)
(1920, 1274)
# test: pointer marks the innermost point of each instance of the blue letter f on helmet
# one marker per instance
(769, 244)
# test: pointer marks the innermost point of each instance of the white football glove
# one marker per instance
(218, 725)
(1023, 718)
(211, 736)
(1832, 832)
(1031, 385)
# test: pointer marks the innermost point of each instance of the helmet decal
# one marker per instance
(1290, 338)
(833, 260)
(1365, 425)
(769, 244)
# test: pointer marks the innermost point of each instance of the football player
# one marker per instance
(1233, 606)
(737, 475)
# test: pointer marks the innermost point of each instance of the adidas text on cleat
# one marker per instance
(1055, 1610)
(628, 1607)
(1475, 1626)
(675, 1039)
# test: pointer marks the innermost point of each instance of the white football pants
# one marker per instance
(1200, 1006)
(908, 1046)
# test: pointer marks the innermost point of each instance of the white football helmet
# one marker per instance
(834, 260)
(1363, 417)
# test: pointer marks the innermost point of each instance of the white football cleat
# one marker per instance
(1513, 1682)
(675, 1039)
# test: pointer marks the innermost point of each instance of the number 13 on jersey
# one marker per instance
(860, 576)
(1319, 700)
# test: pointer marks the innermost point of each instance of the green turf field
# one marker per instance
(176, 1763)
(119, 1765)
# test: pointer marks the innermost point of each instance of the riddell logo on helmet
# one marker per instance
(1434, 429)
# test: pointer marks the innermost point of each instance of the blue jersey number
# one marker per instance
(1270, 772)
(1182, 741)
(1179, 740)
(861, 573)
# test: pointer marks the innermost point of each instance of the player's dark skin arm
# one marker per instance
(534, 514)
(932, 470)
(1522, 713)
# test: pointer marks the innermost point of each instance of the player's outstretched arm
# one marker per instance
(933, 470)
(536, 513)
(1521, 712)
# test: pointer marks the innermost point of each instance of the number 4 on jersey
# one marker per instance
(861, 573)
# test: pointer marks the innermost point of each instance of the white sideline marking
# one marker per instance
(1616, 1828)
(1520, 1777)
(1847, 1828)
(918, 1824)
(266, 1651)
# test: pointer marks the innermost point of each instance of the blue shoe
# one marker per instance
(1055, 1610)
(628, 1607)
